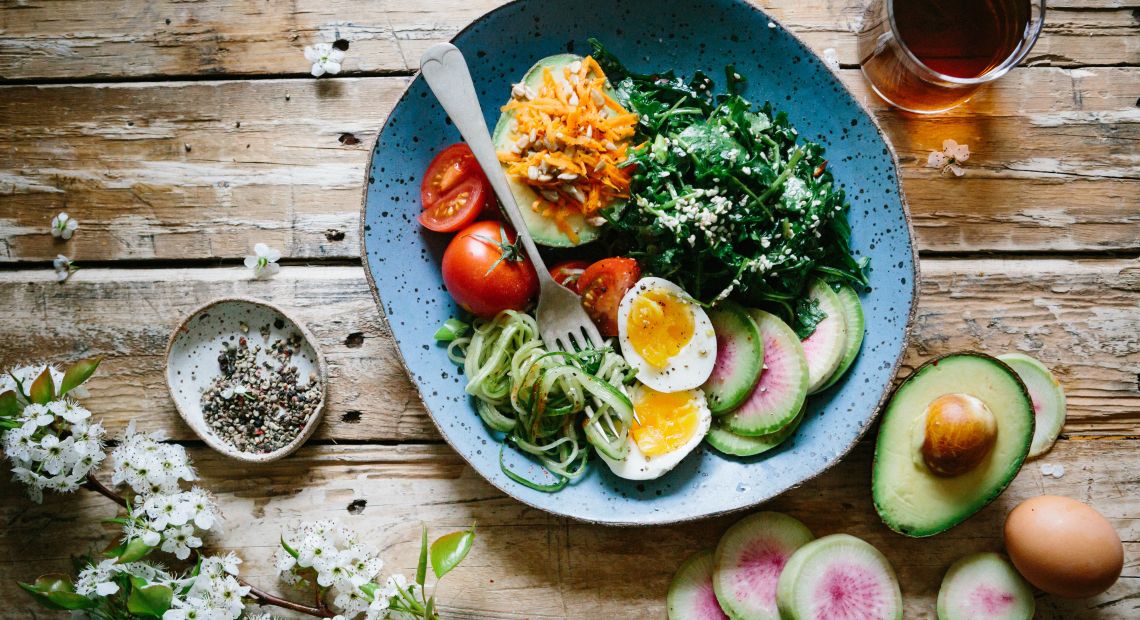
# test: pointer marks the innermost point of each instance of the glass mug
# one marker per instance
(928, 56)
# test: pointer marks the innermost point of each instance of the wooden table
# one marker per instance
(181, 133)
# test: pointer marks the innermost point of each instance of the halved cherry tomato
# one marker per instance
(457, 208)
(568, 272)
(454, 190)
(484, 274)
(602, 286)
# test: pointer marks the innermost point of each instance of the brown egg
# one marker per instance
(1063, 547)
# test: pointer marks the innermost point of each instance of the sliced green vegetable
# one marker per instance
(450, 330)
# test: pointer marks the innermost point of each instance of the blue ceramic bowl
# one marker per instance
(402, 259)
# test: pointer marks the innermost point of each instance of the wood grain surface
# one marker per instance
(200, 170)
(181, 132)
(145, 39)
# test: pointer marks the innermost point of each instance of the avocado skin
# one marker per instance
(1018, 420)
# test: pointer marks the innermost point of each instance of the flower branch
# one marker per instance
(52, 445)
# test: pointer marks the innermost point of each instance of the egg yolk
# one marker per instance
(663, 422)
(659, 326)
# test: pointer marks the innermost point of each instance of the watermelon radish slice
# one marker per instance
(853, 315)
(729, 442)
(839, 577)
(984, 586)
(1047, 397)
(739, 358)
(825, 346)
(782, 388)
(748, 562)
(691, 595)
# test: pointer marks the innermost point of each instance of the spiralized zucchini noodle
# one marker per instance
(552, 405)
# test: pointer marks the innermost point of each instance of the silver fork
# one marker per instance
(562, 322)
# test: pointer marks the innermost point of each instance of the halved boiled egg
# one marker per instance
(667, 426)
(665, 336)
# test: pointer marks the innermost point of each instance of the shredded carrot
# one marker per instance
(569, 138)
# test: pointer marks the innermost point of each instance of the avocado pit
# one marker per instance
(959, 432)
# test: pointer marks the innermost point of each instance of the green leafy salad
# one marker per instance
(724, 200)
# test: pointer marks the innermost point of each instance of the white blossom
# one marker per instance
(99, 579)
(54, 447)
(63, 226)
(180, 540)
(213, 593)
(264, 261)
(949, 159)
(325, 58)
(342, 563)
(64, 267)
(148, 465)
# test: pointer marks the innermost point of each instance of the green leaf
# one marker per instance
(450, 549)
(808, 315)
(54, 591)
(78, 373)
(421, 568)
(429, 611)
(148, 600)
(9, 404)
(9, 424)
(291, 551)
(369, 589)
(133, 551)
(450, 330)
(43, 389)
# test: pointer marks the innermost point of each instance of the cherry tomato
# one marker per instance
(602, 286)
(457, 208)
(567, 273)
(484, 274)
(454, 190)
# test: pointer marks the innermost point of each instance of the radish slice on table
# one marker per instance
(984, 586)
(691, 595)
(1047, 397)
(839, 577)
(749, 559)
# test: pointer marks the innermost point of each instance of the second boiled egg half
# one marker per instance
(667, 426)
(666, 336)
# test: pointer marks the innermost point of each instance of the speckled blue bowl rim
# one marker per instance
(887, 390)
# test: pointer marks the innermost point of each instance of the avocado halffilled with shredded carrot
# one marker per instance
(568, 141)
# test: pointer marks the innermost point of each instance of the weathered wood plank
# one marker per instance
(110, 39)
(203, 170)
(527, 564)
(1082, 318)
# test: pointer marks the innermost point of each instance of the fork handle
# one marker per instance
(446, 73)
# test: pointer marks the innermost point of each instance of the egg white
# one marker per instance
(637, 466)
(692, 365)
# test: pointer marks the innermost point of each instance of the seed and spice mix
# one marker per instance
(260, 408)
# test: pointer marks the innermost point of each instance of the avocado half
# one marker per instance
(910, 498)
(543, 230)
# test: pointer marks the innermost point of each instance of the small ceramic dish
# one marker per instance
(192, 363)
